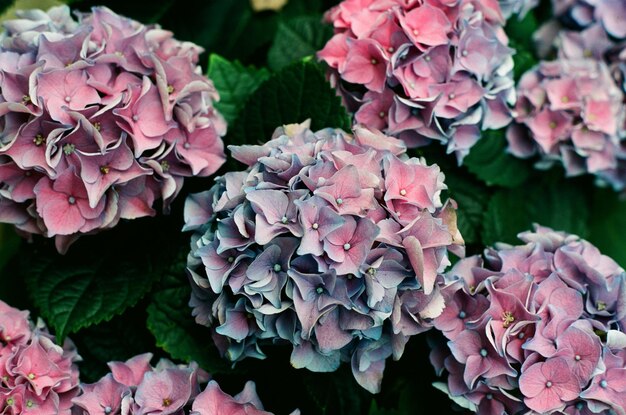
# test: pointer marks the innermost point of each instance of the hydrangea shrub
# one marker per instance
(538, 327)
(135, 387)
(37, 376)
(101, 117)
(423, 71)
(328, 241)
(570, 111)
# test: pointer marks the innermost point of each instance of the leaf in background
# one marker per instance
(297, 38)
(607, 227)
(9, 244)
(559, 205)
(489, 161)
(79, 290)
(293, 95)
(173, 326)
(101, 275)
(235, 83)
(471, 197)
(336, 393)
(260, 5)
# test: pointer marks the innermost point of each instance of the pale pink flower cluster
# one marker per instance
(100, 118)
(423, 70)
(36, 375)
(571, 111)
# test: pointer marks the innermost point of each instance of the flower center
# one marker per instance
(548, 384)
(507, 319)
(25, 99)
(187, 146)
(108, 410)
(347, 246)
(284, 219)
(68, 98)
(277, 268)
(135, 117)
(403, 192)
(374, 61)
(97, 126)
(483, 352)
(565, 99)
(391, 49)
(31, 376)
(170, 89)
(604, 384)
(319, 290)
(69, 149)
(521, 335)
(231, 259)
(601, 306)
(71, 200)
(315, 226)
(10, 401)
(489, 396)
(465, 53)
(451, 95)
(552, 125)
(339, 201)
(371, 271)
(416, 32)
(29, 403)
(577, 358)
(381, 114)
(38, 140)
(167, 402)
(165, 165)
(462, 314)
(105, 169)
(427, 58)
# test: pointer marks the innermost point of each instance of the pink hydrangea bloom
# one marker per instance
(36, 374)
(571, 111)
(538, 328)
(329, 241)
(100, 117)
(423, 70)
(135, 387)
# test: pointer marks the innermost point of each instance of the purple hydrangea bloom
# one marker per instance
(517, 7)
(135, 387)
(36, 374)
(329, 241)
(571, 111)
(423, 71)
(538, 328)
(100, 117)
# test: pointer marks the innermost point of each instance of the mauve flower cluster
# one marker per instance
(608, 15)
(328, 241)
(100, 118)
(571, 111)
(536, 327)
(135, 387)
(423, 70)
(36, 375)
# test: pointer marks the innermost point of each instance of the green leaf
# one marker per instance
(297, 38)
(173, 326)
(489, 161)
(521, 31)
(607, 228)
(235, 83)
(471, 197)
(293, 95)
(559, 205)
(336, 393)
(100, 276)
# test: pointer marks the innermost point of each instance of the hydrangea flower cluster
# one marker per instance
(423, 70)
(517, 7)
(135, 387)
(570, 110)
(607, 15)
(100, 117)
(536, 327)
(36, 375)
(328, 241)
